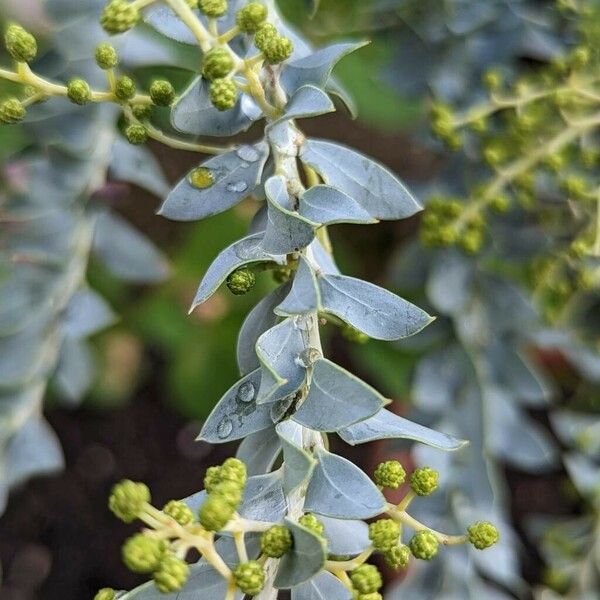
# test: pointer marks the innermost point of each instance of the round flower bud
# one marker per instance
(217, 63)
(105, 594)
(141, 111)
(366, 579)
(276, 541)
(277, 49)
(372, 596)
(265, 33)
(124, 88)
(79, 91)
(142, 554)
(241, 281)
(215, 513)
(424, 545)
(397, 556)
(249, 577)
(483, 535)
(312, 523)
(106, 56)
(171, 575)
(390, 474)
(136, 134)
(162, 92)
(230, 492)
(212, 478)
(19, 43)
(213, 8)
(500, 203)
(127, 500)
(384, 534)
(119, 16)
(12, 111)
(179, 511)
(223, 94)
(281, 274)
(251, 17)
(233, 469)
(424, 481)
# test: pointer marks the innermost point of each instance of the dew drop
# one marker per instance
(224, 428)
(248, 153)
(245, 392)
(237, 186)
(201, 178)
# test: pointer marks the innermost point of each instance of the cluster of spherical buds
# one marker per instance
(440, 223)
(386, 533)
(160, 550)
(219, 62)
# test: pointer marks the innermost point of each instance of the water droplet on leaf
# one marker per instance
(224, 428)
(201, 178)
(237, 186)
(248, 153)
(245, 392)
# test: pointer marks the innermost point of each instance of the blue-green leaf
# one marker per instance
(338, 488)
(236, 415)
(286, 230)
(298, 464)
(86, 314)
(235, 176)
(164, 20)
(372, 185)
(136, 164)
(259, 451)
(305, 559)
(127, 253)
(336, 399)
(324, 586)
(304, 296)
(278, 351)
(370, 308)
(315, 69)
(243, 252)
(387, 425)
(345, 537)
(307, 101)
(195, 114)
(327, 205)
(259, 319)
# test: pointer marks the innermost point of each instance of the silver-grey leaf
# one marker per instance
(259, 319)
(338, 488)
(259, 451)
(286, 230)
(327, 205)
(237, 415)
(345, 537)
(279, 350)
(195, 114)
(307, 101)
(304, 295)
(336, 399)
(387, 425)
(235, 176)
(243, 252)
(297, 463)
(305, 559)
(323, 586)
(370, 308)
(372, 185)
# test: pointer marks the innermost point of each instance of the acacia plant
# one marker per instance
(286, 513)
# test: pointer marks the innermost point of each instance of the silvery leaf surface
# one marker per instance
(246, 251)
(305, 559)
(370, 184)
(338, 488)
(235, 176)
(237, 415)
(298, 464)
(336, 399)
(195, 114)
(323, 586)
